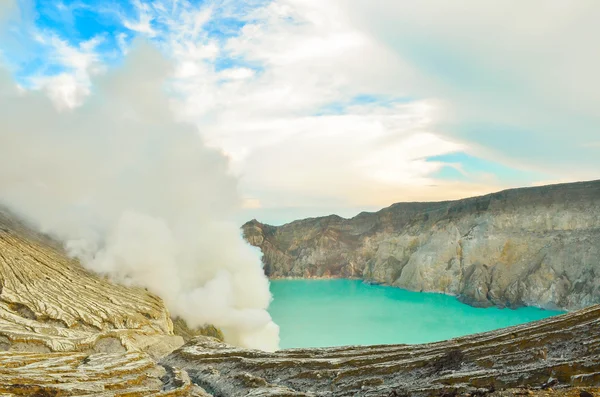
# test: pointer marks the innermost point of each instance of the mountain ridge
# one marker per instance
(67, 332)
(535, 246)
(481, 196)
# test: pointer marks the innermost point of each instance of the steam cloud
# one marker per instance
(137, 196)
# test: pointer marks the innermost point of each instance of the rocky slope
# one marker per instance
(67, 332)
(49, 303)
(554, 353)
(534, 246)
(129, 374)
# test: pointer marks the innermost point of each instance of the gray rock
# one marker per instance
(561, 351)
(533, 246)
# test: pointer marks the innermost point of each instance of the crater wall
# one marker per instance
(535, 246)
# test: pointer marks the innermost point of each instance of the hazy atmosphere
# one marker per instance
(143, 134)
(369, 198)
(340, 106)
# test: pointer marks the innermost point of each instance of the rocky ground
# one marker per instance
(522, 247)
(67, 332)
(537, 358)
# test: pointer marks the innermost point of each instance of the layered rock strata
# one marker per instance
(129, 374)
(553, 354)
(67, 332)
(523, 247)
(49, 303)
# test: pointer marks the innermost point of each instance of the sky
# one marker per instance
(341, 106)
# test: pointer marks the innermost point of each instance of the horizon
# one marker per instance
(341, 106)
(289, 212)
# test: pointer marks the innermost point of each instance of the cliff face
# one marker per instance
(533, 246)
(67, 332)
(49, 303)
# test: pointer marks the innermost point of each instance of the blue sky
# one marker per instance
(76, 22)
(344, 104)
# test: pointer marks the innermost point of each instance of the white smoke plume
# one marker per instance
(136, 195)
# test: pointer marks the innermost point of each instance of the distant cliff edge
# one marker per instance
(536, 246)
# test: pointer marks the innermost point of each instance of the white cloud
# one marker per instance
(137, 196)
(65, 90)
(282, 97)
(308, 57)
(515, 76)
(69, 88)
(293, 72)
(237, 73)
(122, 43)
(143, 23)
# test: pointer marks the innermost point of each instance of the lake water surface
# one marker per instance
(319, 313)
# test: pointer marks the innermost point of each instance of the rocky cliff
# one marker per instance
(67, 332)
(49, 303)
(535, 246)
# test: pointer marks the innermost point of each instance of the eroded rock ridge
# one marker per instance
(556, 353)
(535, 246)
(67, 332)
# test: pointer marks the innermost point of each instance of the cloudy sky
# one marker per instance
(344, 105)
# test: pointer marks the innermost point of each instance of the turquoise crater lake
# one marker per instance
(320, 313)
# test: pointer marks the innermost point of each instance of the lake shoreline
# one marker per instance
(357, 313)
(368, 282)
